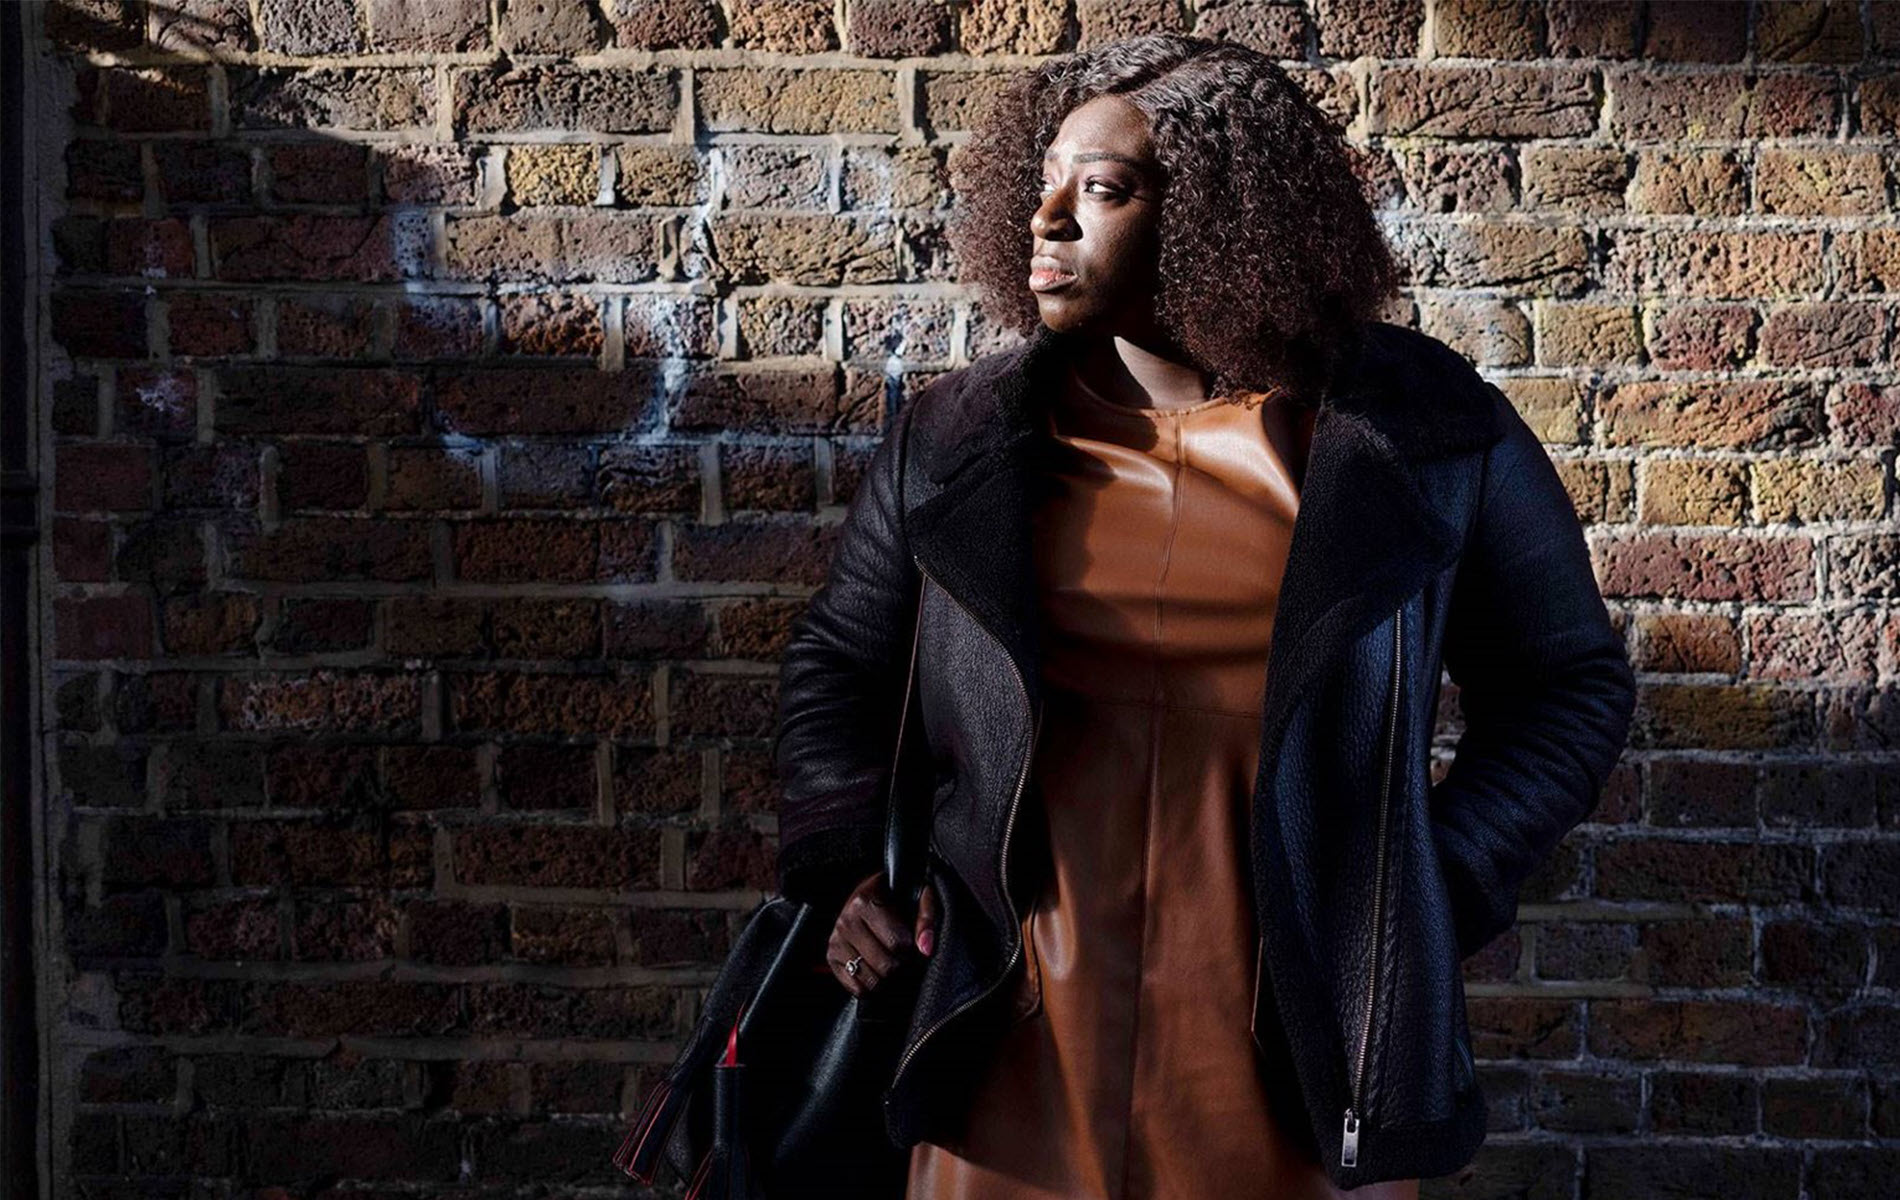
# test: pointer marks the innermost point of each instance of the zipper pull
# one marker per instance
(1349, 1141)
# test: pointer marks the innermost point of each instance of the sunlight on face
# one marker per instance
(1095, 230)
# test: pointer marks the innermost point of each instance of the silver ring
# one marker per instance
(851, 968)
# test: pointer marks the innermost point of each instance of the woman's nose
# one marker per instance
(1043, 224)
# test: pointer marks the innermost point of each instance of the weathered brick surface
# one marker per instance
(449, 406)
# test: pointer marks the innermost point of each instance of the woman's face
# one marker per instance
(1095, 231)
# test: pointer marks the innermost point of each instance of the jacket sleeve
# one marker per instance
(841, 685)
(1545, 686)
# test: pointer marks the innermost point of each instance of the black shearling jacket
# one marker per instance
(1433, 534)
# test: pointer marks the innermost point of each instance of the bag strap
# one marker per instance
(907, 824)
(907, 809)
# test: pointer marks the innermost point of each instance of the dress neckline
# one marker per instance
(1242, 400)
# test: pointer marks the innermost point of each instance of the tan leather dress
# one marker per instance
(1130, 1072)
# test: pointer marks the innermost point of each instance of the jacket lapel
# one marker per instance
(1367, 535)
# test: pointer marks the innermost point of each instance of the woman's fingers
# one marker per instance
(852, 939)
(842, 952)
(891, 931)
(866, 927)
(926, 933)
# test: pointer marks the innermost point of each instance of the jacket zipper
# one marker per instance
(910, 684)
(1253, 1014)
(1355, 1108)
(1009, 826)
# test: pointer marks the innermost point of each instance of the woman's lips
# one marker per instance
(1047, 279)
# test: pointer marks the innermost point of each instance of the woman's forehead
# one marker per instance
(1098, 131)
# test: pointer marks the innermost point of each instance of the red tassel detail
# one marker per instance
(699, 1176)
(627, 1157)
(732, 1041)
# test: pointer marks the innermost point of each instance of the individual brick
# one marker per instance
(545, 629)
(331, 549)
(322, 625)
(551, 325)
(1709, 183)
(1806, 490)
(1488, 28)
(1692, 566)
(1483, 101)
(428, 26)
(203, 172)
(565, 98)
(1276, 30)
(897, 28)
(560, 174)
(218, 623)
(332, 98)
(438, 327)
(430, 174)
(427, 477)
(557, 856)
(154, 402)
(360, 402)
(332, 327)
(787, 100)
(1693, 336)
(784, 26)
(541, 703)
(1593, 28)
(1865, 414)
(103, 170)
(1697, 30)
(322, 475)
(325, 700)
(1820, 181)
(99, 324)
(223, 475)
(143, 99)
(605, 246)
(92, 477)
(1648, 105)
(1689, 491)
(1823, 334)
(309, 27)
(1814, 32)
(319, 173)
(565, 27)
(1733, 414)
(664, 24)
(660, 175)
(525, 550)
(1585, 179)
(542, 475)
(210, 324)
(1587, 333)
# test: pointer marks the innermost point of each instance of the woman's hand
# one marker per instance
(868, 925)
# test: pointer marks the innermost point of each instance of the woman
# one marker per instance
(1181, 731)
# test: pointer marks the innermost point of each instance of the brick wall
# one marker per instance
(447, 405)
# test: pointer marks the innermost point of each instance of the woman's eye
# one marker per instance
(1107, 191)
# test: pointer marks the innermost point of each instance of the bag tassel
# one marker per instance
(726, 1173)
(639, 1152)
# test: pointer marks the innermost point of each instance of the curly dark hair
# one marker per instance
(1270, 259)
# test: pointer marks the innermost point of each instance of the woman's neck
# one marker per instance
(1128, 373)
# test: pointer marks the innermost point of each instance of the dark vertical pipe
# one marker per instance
(19, 531)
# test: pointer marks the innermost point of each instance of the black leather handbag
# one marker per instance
(778, 1093)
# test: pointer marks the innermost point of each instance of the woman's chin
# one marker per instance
(1061, 317)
